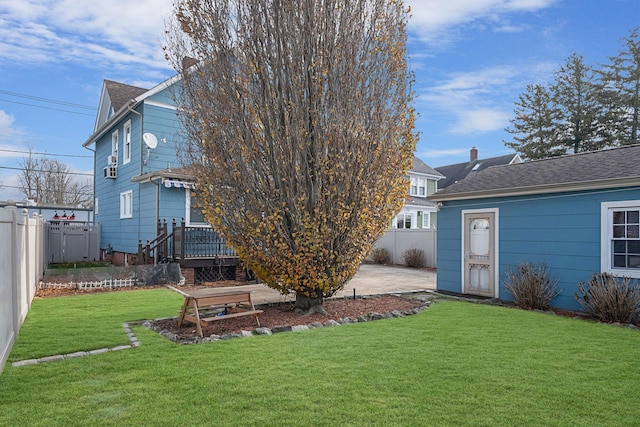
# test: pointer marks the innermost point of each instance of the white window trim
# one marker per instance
(404, 215)
(114, 144)
(187, 216)
(126, 145)
(126, 204)
(606, 220)
(426, 219)
(417, 179)
(95, 206)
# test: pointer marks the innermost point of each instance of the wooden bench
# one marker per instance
(209, 305)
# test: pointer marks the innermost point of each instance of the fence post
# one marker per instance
(140, 253)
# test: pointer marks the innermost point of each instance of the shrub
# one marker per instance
(531, 287)
(413, 258)
(609, 298)
(380, 256)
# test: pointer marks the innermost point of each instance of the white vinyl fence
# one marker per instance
(398, 241)
(22, 262)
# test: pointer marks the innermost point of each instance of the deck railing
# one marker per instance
(183, 243)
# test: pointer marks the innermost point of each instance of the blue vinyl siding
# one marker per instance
(151, 201)
(563, 230)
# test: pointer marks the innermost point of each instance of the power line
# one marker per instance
(44, 154)
(15, 187)
(49, 108)
(51, 101)
(44, 171)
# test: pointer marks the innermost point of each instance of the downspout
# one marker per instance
(131, 102)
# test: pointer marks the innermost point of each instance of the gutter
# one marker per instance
(106, 126)
(540, 189)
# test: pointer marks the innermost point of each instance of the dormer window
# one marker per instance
(418, 186)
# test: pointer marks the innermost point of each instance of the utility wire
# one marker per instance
(44, 171)
(43, 154)
(49, 108)
(15, 187)
(51, 101)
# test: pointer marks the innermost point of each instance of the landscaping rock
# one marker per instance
(277, 329)
(262, 331)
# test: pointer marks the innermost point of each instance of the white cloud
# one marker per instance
(442, 153)
(113, 33)
(433, 20)
(473, 99)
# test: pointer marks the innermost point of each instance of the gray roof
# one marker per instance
(421, 167)
(617, 167)
(459, 171)
(120, 93)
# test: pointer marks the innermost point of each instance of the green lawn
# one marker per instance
(453, 364)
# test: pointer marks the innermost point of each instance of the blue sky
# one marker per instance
(472, 58)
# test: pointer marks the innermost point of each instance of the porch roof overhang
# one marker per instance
(169, 178)
(614, 183)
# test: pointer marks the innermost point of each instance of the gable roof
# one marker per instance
(421, 167)
(459, 171)
(121, 97)
(613, 168)
(120, 93)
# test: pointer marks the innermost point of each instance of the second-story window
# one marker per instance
(114, 145)
(418, 186)
(126, 143)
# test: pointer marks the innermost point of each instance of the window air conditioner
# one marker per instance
(112, 160)
(111, 172)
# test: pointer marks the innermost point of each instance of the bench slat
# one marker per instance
(231, 315)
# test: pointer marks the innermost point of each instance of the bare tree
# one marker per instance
(51, 182)
(300, 120)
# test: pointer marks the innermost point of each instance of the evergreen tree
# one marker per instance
(576, 94)
(621, 92)
(535, 125)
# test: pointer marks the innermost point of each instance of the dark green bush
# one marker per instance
(413, 258)
(610, 299)
(380, 256)
(531, 286)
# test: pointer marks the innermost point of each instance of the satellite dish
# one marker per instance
(150, 140)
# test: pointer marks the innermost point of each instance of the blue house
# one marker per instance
(580, 214)
(140, 184)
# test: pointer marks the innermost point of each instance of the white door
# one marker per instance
(479, 253)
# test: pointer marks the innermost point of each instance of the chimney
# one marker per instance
(473, 155)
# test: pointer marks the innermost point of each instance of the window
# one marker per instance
(403, 221)
(194, 212)
(114, 145)
(126, 143)
(425, 220)
(126, 204)
(620, 238)
(418, 186)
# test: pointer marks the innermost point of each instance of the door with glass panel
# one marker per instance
(479, 253)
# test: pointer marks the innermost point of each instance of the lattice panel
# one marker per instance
(214, 274)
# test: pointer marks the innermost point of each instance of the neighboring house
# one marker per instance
(579, 214)
(138, 180)
(419, 212)
(459, 171)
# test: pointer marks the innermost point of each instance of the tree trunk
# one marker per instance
(306, 305)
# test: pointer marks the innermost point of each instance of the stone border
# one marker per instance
(133, 342)
(426, 300)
